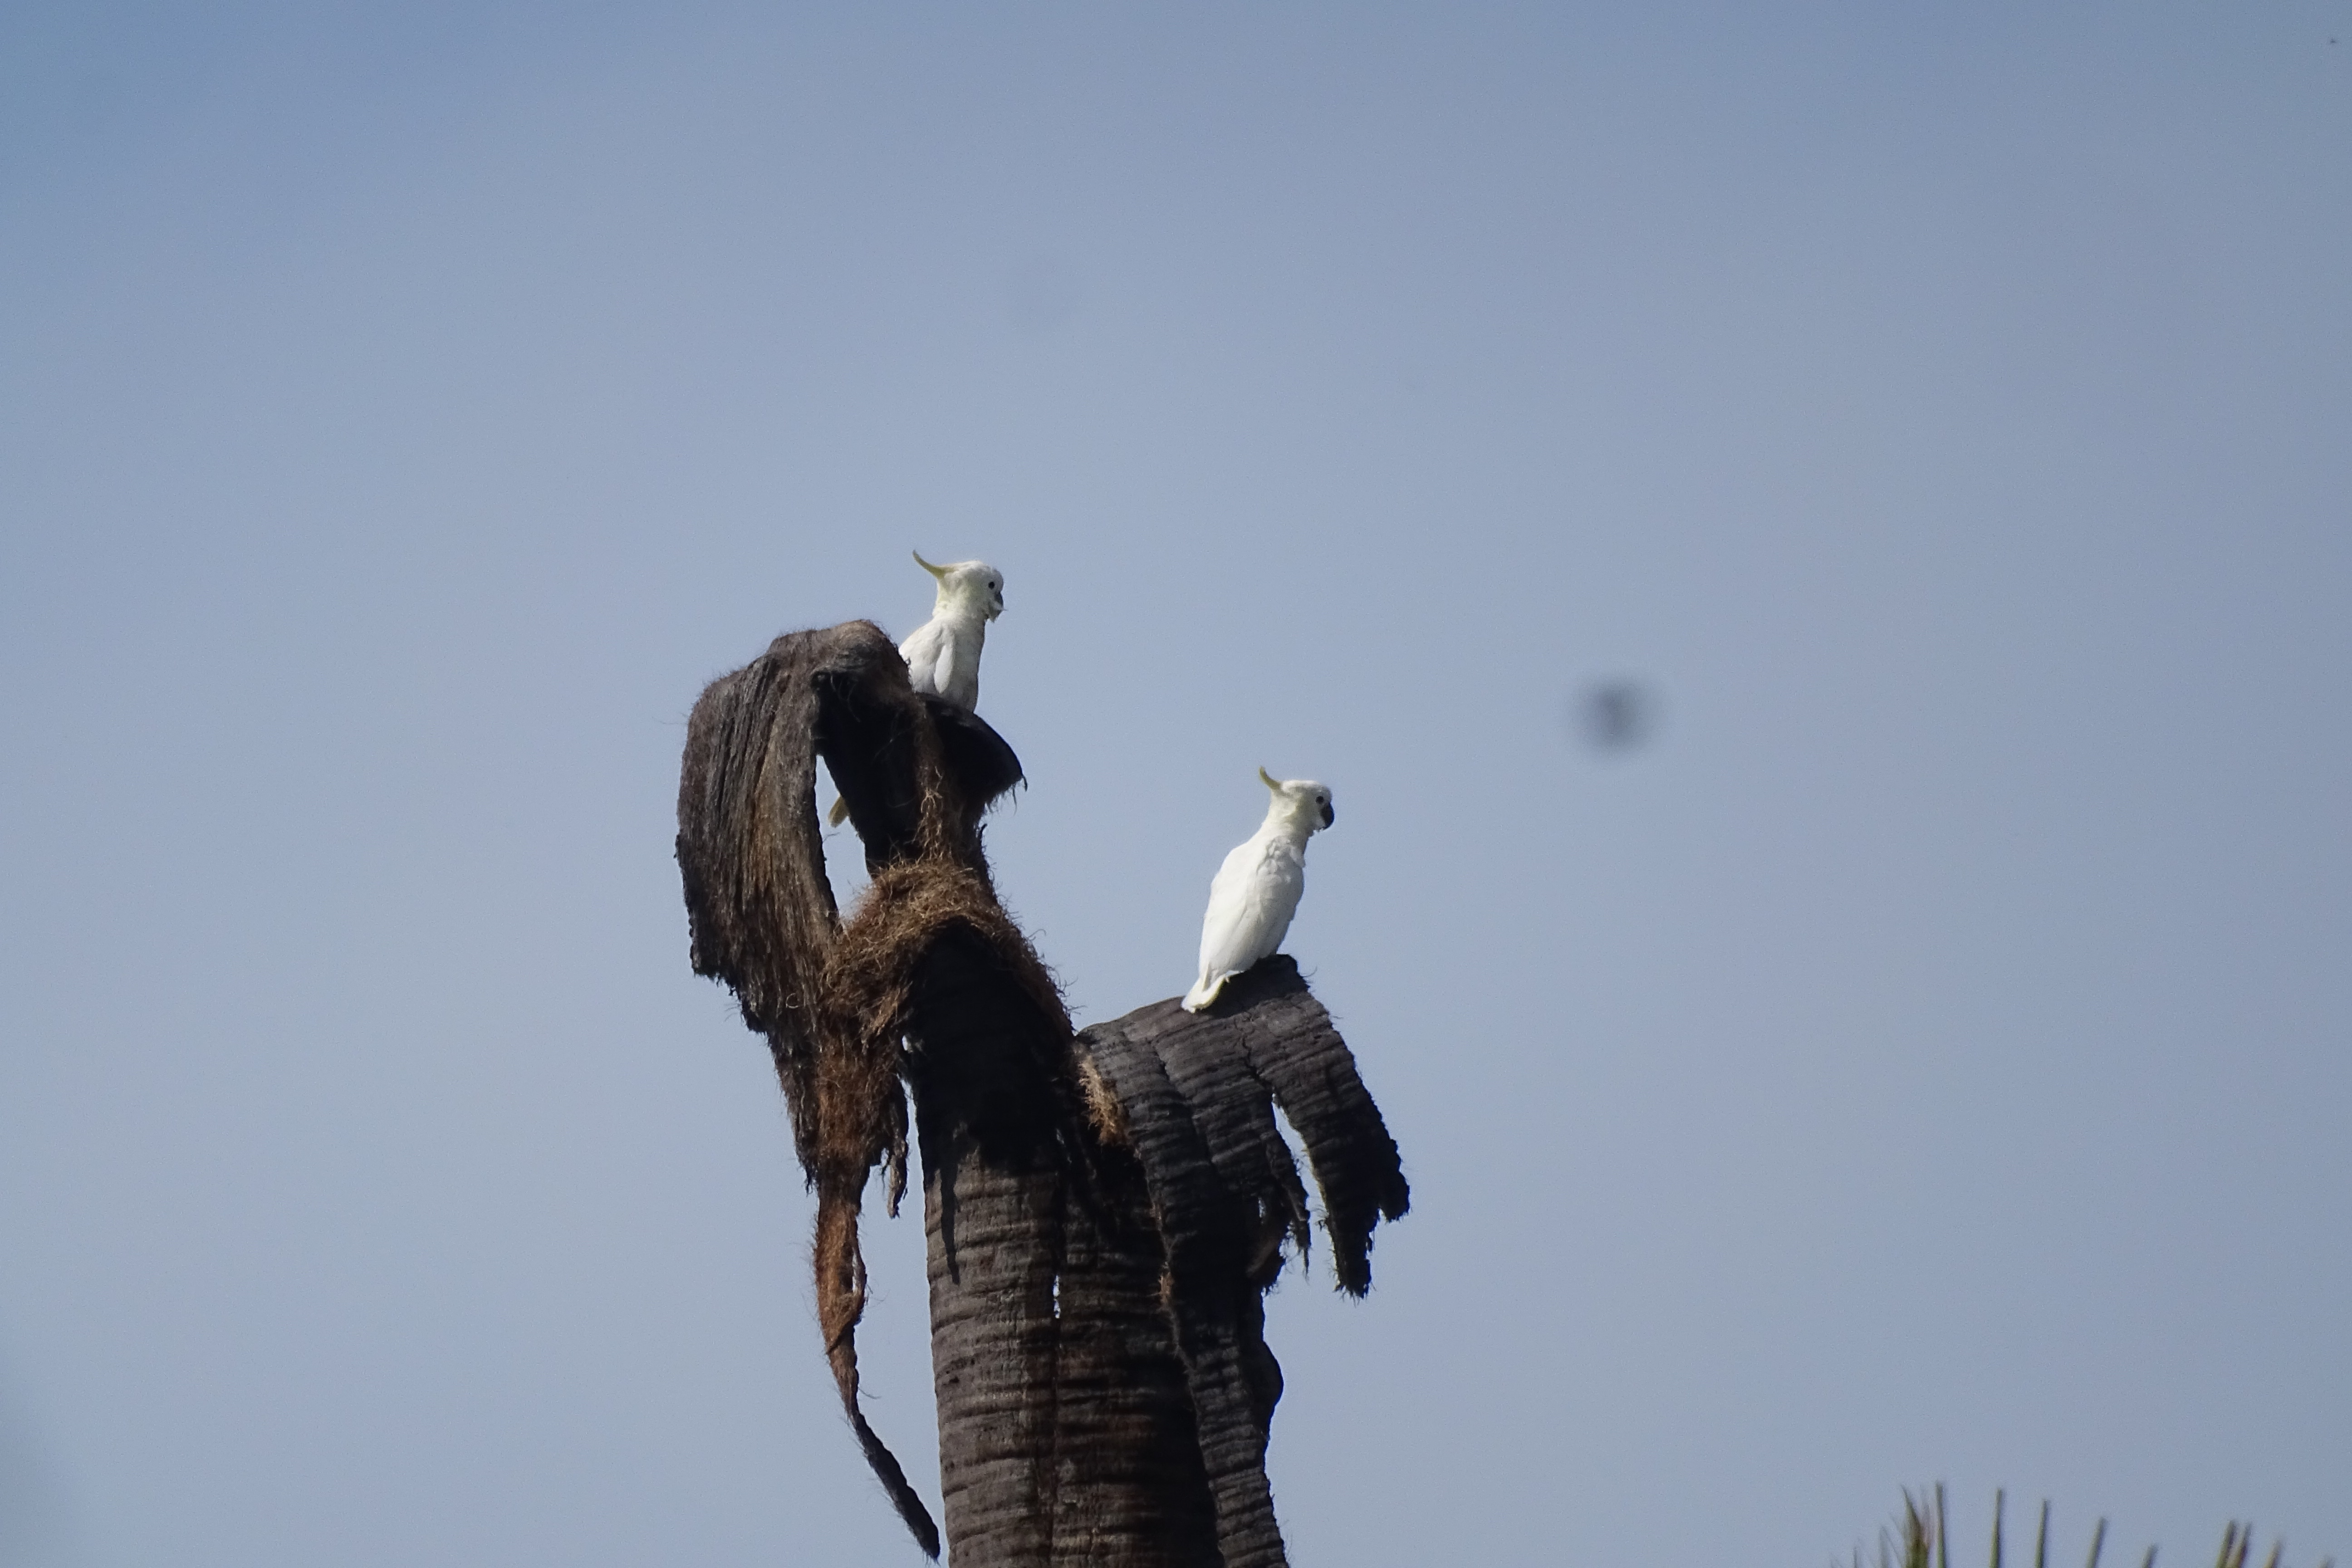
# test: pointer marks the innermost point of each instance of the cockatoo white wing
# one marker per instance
(943, 659)
(921, 652)
(1250, 901)
(956, 675)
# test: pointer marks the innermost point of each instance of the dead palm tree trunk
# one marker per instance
(1104, 1210)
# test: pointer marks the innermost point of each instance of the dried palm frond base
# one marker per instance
(1917, 1539)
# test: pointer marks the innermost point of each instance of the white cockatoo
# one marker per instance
(1256, 890)
(943, 654)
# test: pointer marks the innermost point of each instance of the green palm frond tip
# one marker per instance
(1919, 1537)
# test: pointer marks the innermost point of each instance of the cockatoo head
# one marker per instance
(967, 585)
(1301, 800)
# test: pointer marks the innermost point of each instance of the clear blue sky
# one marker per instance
(1930, 1057)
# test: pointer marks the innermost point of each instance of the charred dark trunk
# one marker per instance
(1104, 1211)
(1065, 1435)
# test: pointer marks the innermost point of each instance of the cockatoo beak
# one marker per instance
(1270, 782)
(939, 572)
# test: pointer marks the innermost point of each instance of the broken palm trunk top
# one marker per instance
(1104, 1209)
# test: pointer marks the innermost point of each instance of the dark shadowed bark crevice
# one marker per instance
(997, 1159)
(1131, 1487)
(1198, 1092)
(1103, 1212)
(1204, 1230)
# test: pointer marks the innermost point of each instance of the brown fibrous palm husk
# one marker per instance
(832, 1000)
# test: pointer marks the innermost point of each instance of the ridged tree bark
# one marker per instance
(1104, 1210)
